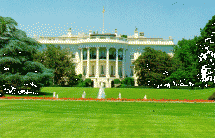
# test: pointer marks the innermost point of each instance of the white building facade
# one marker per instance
(105, 57)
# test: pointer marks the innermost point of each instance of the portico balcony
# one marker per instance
(102, 75)
(111, 57)
(112, 75)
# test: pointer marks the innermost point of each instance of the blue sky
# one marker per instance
(156, 18)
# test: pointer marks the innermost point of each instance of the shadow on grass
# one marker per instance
(47, 94)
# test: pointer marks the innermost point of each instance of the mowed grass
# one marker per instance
(129, 93)
(41, 118)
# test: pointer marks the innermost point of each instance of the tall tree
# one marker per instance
(185, 51)
(60, 60)
(153, 67)
(206, 52)
(17, 69)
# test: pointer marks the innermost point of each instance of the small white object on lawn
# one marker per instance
(145, 97)
(83, 95)
(57, 96)
(101, 94)
(119, 95)
(54, 93)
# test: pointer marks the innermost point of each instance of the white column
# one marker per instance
(123, 64)
(88, 62)
(107, 64)
(135, 79)
(117, 74)
(95, 84)
(82, 61)
(97, 62)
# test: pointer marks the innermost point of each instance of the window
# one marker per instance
(120, 56)
(112, 54)
(85, 54)
(102, 54)
(111, 70)
(93, 54)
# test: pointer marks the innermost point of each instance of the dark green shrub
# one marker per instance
(54, 85)
(198, 84)
(184, 87)
(211, 84)
(85, 83)
(75, 80)
(81, 84)
(88, 82)
(1, 93)
(123, 86)
(128, 81)
(117, 81)
(112, 84)
(212, 97)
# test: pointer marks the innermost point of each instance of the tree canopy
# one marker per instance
(153, 67)
(18, 71)
(185, 51)
(206, 53)
(60, 60)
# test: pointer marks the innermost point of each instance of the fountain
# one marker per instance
(119, 95)
(84, 94)
(54, 94)
(101, 94)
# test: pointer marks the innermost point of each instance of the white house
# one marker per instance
(105, 57)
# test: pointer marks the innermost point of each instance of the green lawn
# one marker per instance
(129, 93)
(41, 118)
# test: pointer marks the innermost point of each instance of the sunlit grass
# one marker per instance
(39, 118)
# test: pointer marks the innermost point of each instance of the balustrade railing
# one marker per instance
(105, 38)
(92, 75)
(111, 57)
